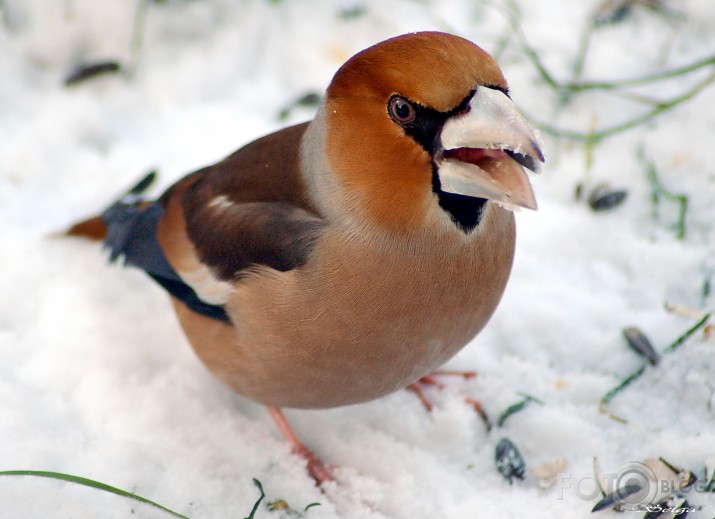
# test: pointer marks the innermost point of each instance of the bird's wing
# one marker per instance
(213, 225)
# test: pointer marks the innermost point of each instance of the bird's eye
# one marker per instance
(401, 110)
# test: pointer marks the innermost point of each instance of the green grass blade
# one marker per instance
(515, 408)
(689, 332)
(78, 480)
(260, 498)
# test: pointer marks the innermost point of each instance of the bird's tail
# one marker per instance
(92, 228)
(128, 229)
(95, 228)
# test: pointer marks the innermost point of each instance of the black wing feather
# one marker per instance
(131, 234)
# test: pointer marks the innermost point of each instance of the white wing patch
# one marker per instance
(221, 203)
(207, 287)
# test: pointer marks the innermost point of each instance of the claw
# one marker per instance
(316, 468)
(431, 380)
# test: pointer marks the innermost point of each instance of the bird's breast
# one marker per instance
(361, 319)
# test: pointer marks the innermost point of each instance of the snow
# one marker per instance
(97, 380)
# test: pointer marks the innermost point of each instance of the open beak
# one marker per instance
(485, 149)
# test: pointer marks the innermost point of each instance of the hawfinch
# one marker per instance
(339, 260)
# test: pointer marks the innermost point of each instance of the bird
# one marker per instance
(339, 260)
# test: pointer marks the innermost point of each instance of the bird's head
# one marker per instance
(421, 127)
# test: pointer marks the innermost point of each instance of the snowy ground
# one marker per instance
(96, 379)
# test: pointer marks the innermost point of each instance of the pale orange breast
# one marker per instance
(360, 320)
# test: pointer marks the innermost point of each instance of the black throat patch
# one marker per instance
(464, 211)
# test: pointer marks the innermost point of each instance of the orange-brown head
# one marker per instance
(421, 121)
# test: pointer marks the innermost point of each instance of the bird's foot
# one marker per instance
(316, 468)
(432, 380)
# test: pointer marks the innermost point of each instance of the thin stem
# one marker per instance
(603, 405)
(533, 56)
(623, 384)
(650, 78)
(659, 190)
(688, 333)
(570, 87)
(583, 49)
(258, 502)
(138, 29)
(92, 484)
(597, 137)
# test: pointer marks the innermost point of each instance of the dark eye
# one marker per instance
(401, 110)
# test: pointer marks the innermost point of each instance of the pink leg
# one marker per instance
(416, 388)
(453, 373)
(431, 380)
(317, 470)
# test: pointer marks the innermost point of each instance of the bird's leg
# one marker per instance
(317, 470)
(416, 388)
(431, 380)
(466, 375)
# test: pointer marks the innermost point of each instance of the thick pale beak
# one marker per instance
(485, 150)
